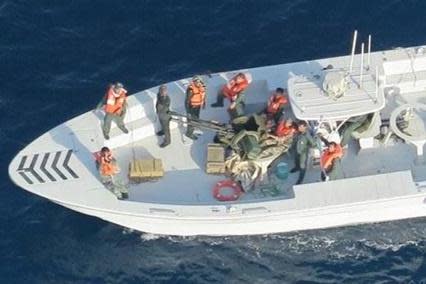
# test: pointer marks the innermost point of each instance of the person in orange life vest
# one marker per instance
(115, 108)
(234, 91)
(276, 104)
(106, 164)
(194, 101)
(286, 129)
(330, 159)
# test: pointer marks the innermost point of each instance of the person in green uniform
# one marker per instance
(162, 108)
(304, 141)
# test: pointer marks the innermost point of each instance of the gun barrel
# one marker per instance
(206, 124)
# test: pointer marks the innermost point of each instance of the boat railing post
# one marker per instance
(369, 52)
(377, 85)
(361, 72)
(353, 50)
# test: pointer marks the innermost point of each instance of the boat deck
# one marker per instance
(185, 181)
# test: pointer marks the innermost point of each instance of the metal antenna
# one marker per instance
(353, 50)
(369, 52)
(362, 65)
(377, 85)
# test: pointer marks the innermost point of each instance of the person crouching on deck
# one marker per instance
(286, 129)
(234, 91)
(330, 160)
(276, 104)
(106, 164)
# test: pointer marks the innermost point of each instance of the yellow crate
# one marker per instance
(215, 153)
(146, 169)
(215, 159)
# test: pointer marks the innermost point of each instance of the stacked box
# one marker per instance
(215, 159)
(147, 169)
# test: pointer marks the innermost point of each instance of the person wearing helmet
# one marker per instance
(195, 100)
(234, 91)
(162, 108)
(115, 108)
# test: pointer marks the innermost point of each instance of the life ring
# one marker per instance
(236, 190)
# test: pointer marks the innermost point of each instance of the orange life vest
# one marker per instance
(275, 103)
(327, 157)
(198, 95)
(115, 102)
(233, 88)
(106, 165)
(282, 130)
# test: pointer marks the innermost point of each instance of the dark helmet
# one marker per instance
(118, 86)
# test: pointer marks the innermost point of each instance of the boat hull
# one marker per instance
(238, 223)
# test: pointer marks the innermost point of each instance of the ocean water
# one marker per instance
(56, 58)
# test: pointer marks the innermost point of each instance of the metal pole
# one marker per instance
(377, 84)
(353, 50)
(362, 65)
(369, 51)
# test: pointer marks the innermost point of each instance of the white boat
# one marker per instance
(384, 170)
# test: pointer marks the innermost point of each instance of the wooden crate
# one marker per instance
(215, 153)
(146, 169)
(215, 159)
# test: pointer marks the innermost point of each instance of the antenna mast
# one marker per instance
(369, 52)
(361, 71)
(353, 50)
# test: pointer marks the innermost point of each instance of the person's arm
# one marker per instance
(311, 140)
(188, 98)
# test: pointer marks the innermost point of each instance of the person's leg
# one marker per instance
(296, 163)
(161, 121)
(347, 132)
(192, 113)
(323, 176)
(239, 110)
(119, 120)
(106, 127)
(165, 128)
(196, 113)
(336, 170)
(302, 163)
(219, 100)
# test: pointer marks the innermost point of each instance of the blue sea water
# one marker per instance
(56, 58)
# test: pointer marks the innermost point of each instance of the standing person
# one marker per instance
(115, 108)
(276, 104)
(195, 100)
(234, 91)
(330, 160)
(304, 142)
(162, 108)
